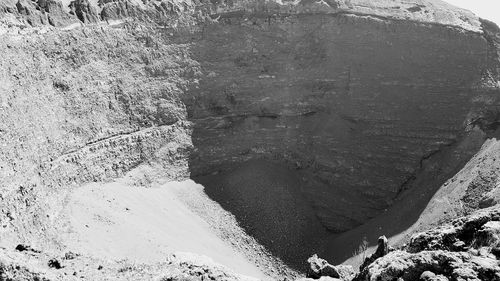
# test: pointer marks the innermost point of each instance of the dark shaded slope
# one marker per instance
(268, 200)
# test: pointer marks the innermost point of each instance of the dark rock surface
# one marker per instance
(382, 250)
(84, 11)
(320, 267)
(112, 9)
(312, 100)
(269, 196)
(364, 108)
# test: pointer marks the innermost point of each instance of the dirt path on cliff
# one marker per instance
(119, 221)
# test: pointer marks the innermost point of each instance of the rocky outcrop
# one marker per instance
(358, 100)
(112, 9)
(462, 250)
(382, 250)
(40, 12)
(319, 268)
(360, 107)
(473, 232)
(84, 11)
(93, 114)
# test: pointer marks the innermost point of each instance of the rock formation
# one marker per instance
(39, 12)
(319, 268)
(84, 11)
(316, 123)
(300, 91)
(382, 250)
(462, 250)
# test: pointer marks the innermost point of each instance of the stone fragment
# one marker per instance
(54, 263)
(430, 276)
(319, 267)
(382, 247)
(70, 256)
(382, 250)
(23, 247)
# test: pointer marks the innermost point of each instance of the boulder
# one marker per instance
(319, 267)
(430, 276)
(382, 250)
(322, 270)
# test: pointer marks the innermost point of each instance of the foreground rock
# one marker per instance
(465, 249)
(319, 268)
(382, 250)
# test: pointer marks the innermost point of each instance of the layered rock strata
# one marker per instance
(356, 101)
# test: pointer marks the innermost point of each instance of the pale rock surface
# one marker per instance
(434, 255)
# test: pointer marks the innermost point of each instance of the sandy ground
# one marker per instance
(118, 221)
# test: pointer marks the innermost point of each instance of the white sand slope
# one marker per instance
(119, 221)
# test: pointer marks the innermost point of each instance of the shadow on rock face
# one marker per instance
(266, 198)
(369, 112)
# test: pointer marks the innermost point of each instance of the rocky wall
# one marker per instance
(354, 101)
(350, 102)
(81, 106)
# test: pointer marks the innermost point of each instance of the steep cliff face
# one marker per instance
(307, 118)
(355, 105)
(83, 106)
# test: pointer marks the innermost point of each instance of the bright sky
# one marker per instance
(488, 9)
